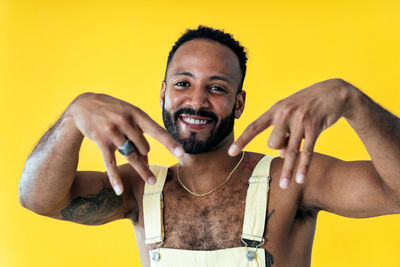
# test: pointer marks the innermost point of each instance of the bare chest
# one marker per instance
(204, 223)
(216, 221)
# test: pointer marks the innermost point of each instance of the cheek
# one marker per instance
(173, 100)
(222, 106)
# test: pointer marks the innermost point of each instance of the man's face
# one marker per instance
(199, 97)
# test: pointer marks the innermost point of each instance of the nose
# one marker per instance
(197, 98)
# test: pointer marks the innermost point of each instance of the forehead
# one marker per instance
(205, 57)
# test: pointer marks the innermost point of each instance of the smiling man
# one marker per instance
(219, 206)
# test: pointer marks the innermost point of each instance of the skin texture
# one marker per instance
(205, 75)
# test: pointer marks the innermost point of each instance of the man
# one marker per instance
(204, 195)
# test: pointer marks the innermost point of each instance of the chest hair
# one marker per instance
(204, 223)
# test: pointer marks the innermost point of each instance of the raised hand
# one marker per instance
(110, 122)
(303, 115)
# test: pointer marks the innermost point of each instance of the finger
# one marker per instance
(147, 125)
(306, 155)
(251, 131)
(282, 152)
(145, 159)
(111, 166)
(279, 136)
(115, 137)
(138, 162)
(292, 152)
(134, 134)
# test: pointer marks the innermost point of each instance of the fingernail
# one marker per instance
(232, 150)
(300, 178)
(178, 152)
(284, 183)
(151, 180)
(117, 189)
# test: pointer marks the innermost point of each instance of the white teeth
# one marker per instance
(193, 121)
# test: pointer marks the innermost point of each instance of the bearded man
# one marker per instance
(219, 205)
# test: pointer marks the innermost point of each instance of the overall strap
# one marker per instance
(153, 206)
(256, 201)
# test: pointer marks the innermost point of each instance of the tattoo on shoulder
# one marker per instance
(269, 259)
(268, 256)
(269, 216)
(93, 209)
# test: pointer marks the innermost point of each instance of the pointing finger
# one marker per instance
(147, 125)
(251, 131)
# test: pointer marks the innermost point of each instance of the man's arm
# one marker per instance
(360, 188)
(50, 184)
(379, 130)
(51, 167)
(304, 115)
(347, 188)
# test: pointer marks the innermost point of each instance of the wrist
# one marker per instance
(353, 100)
(68, 122)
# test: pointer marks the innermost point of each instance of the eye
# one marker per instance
(182, 84)
(217, 89)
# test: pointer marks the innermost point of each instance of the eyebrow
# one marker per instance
(221, 78)
(184, 73)
(212, 78)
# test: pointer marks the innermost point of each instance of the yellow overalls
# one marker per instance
(253, 225)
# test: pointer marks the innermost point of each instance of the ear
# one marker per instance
(162, 93)
(240, 100)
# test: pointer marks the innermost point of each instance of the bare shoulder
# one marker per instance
(251, 160)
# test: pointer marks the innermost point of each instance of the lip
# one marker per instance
(194, 127)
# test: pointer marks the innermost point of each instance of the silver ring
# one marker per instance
(127, 148)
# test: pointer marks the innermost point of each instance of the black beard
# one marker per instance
(190, 144)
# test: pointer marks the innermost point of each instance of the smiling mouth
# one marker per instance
(195, 122)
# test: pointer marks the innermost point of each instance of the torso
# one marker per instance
(215, 221)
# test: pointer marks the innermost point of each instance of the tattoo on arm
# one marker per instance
(93, 209)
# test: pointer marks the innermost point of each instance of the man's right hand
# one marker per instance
(109, 122)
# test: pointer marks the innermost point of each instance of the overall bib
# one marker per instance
(253, 226)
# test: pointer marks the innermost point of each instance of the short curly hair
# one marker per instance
(204, 32)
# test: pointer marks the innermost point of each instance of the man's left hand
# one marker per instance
(303, 115)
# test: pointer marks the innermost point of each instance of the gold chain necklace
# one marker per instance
(215, 188)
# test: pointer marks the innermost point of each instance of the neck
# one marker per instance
(202, 172)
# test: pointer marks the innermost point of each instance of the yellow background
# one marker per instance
(51, 51)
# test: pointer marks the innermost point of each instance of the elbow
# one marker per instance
(21, 195)
(32, 207)
(25, 202)
(21, 200)
(27, 197)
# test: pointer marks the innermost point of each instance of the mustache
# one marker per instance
(200, 112)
